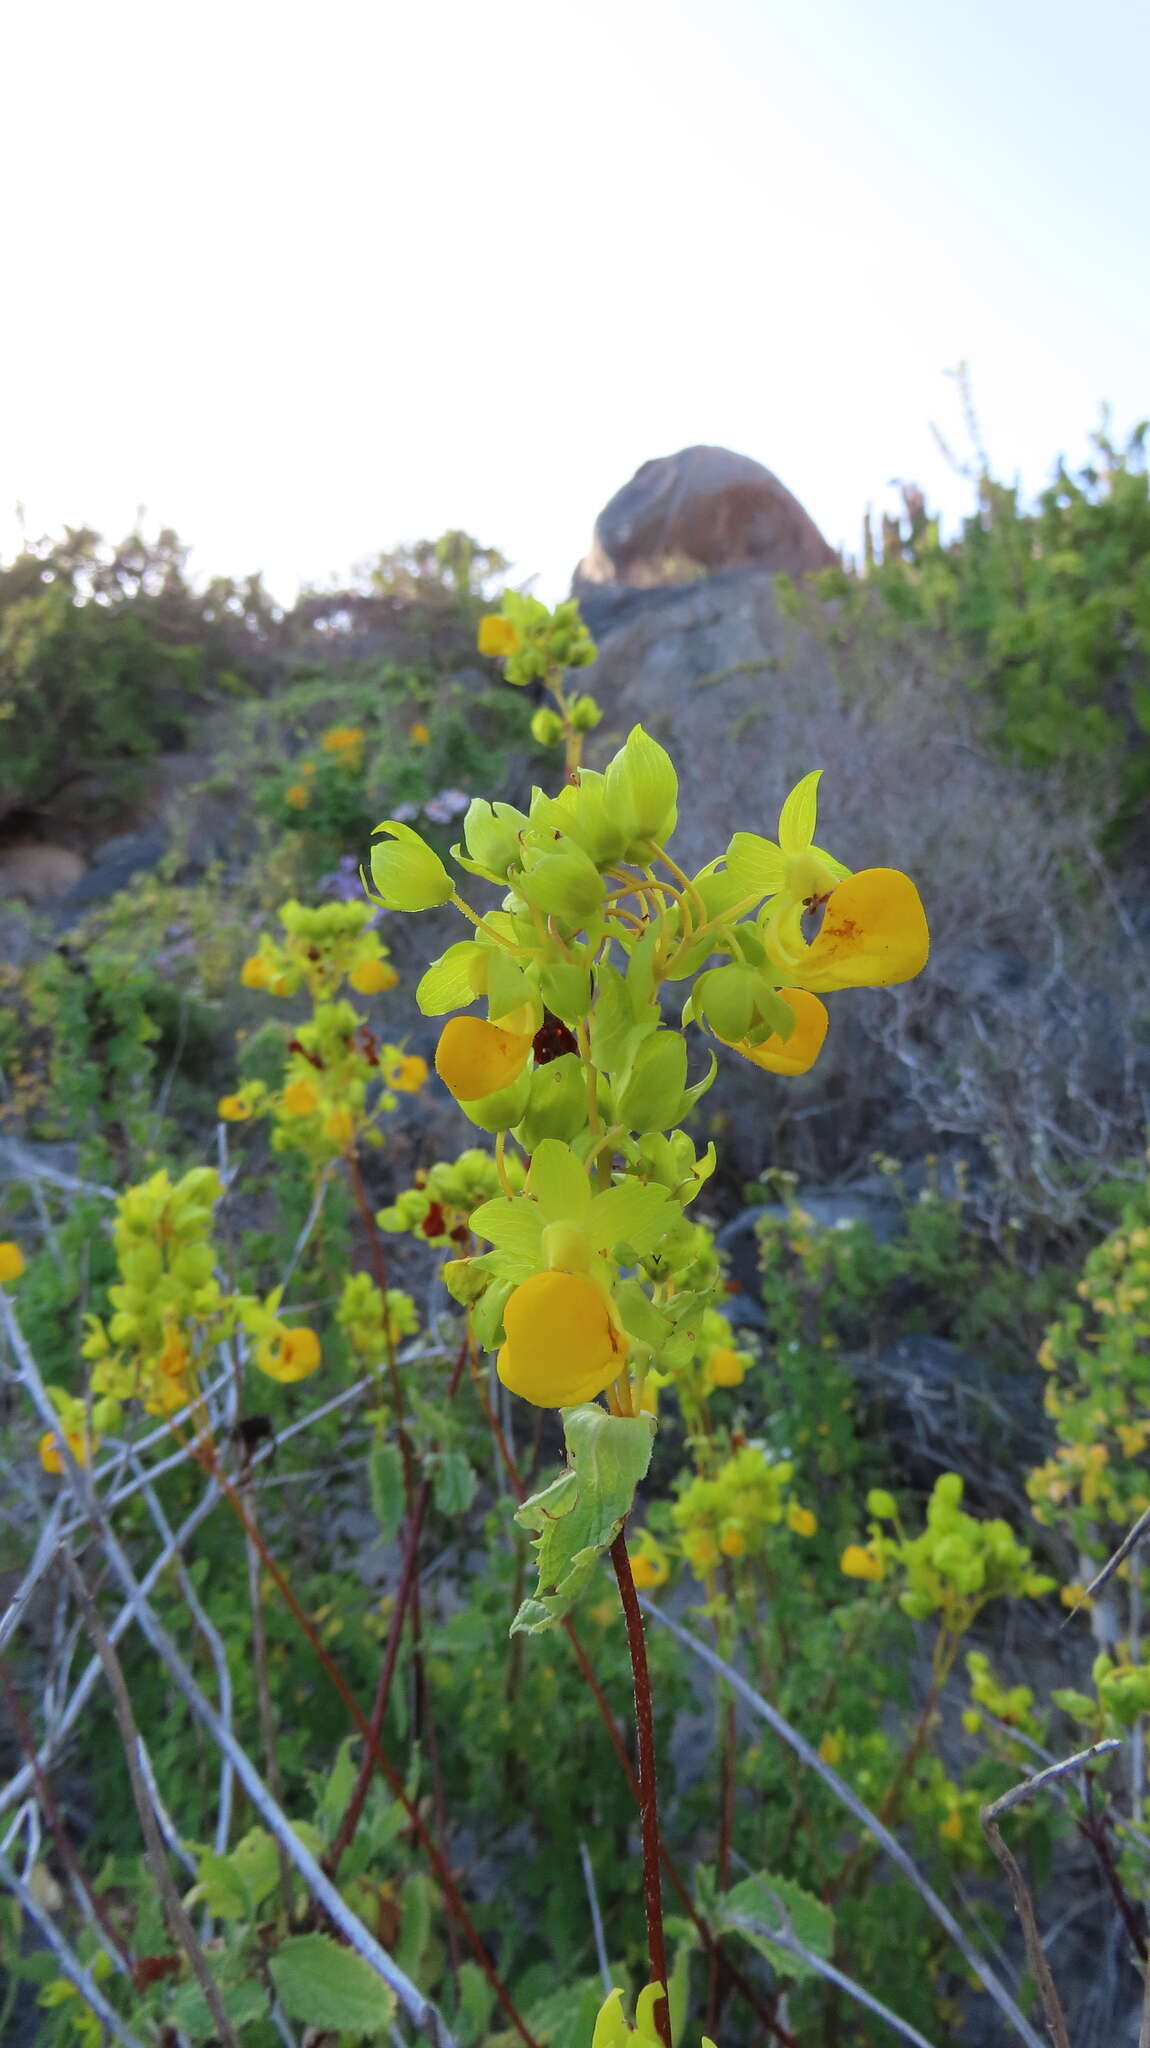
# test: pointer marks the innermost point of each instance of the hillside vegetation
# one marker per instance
(478, 1567)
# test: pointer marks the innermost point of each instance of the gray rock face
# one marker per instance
(698, 513)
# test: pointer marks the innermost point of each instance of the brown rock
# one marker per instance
(700, 512)
(39, 873)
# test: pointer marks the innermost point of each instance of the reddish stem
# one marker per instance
(648, 1798)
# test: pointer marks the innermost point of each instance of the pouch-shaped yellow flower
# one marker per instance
(474, 1058)
(798, 1053)
(874, 932)
(563, 1344)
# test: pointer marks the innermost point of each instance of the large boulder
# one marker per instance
(696, 513)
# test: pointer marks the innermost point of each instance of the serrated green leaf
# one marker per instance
(220, 1888)
(566, 2018)
(327, 1986)
(579, 1515)
(188, 2011)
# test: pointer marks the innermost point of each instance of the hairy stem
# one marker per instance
(648, 1798)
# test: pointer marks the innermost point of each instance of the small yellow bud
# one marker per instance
(497, 636)
(11, 1261)
(254, 972)
(801, 1520)
(372, 976)
(725, 1368)
(231, 1109)
(419, 734)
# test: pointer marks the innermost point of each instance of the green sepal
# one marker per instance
(563, 883)
(560, 1183)
(487, 1315)
(641, 1319)
(648, 1098)
(508, 988)
(491, 836)
(756, 866)
(641, 790)
(454, 980)
(565, 987)
(501, 1111)
(725, 997)
(612, 1020)
(557, 1107)
(580, 1514)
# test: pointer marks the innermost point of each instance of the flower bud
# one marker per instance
(546, 727)
(642, 790)
(584, 714)
(408, 875)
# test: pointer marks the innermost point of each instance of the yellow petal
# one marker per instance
(874, 932)
(797, 817)
(290, 1355)
(798, 1053)
(562, 1342)
(371, 976)
(474, 1058)
(725, 1368)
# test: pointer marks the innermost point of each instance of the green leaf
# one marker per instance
(453, 1483)
(220, 1888)
(327, 1986)
(188, 2011)
(475, 2001)
(385, 1479)
(580, 1514)
(566, 2018)
(415, 1926)
(764, 1905)
(649, 1096)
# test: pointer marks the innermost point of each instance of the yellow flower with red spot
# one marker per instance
(406, 1074)
(474, 1058)
(857, 1562)
(563, 1344)
(232, 1109)
(874, 932)
(255, 972)
(288, 1355)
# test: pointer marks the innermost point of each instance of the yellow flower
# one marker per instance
(732, 1541)
(858, 1563)
(801, 1520)
(497, 636)
(343, 739)
(475, 1059)
(649, 1566)
(11, 1261)
(288, 1355)
(798, 1053)
(406, 1074)
(254, 972)
(299, 1099)
(725, 1368)
(372, 976)
(340, 1125)
(50, 1457)
(951, 1828)
(874, 932)
(563, 1345)
(419, 734)
(831, 1749)
(231, 1108)
(297, 796)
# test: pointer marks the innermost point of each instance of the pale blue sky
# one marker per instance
(309, 282)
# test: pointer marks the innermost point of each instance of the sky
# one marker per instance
(309, 282)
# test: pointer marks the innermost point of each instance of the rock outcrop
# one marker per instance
(697, 513)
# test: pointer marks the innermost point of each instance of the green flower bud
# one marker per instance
(546, 727)
(491, 835)
(557, 1106)
(408, 875)
(881, 1505)
(585, 714)
(642, 790)
(565, 883)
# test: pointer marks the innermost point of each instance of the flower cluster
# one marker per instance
(372, 1332)
(734, 1513)
(1097, 1358)
(343, 745)
(574, 1059)
(954, 1567)
(438, 1209)
(338, 1079)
